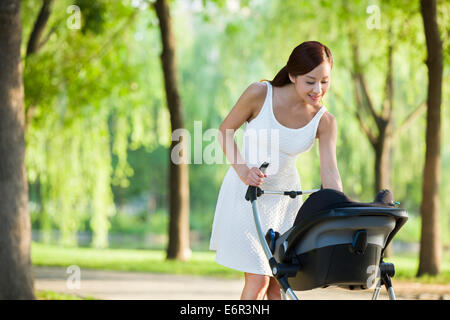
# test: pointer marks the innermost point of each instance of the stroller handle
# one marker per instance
(252, 194)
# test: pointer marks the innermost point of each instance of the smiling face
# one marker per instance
(312, 86)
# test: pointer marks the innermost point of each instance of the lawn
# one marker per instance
(201, 263)
(51, 295)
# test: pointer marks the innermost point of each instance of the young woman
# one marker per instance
(291, 105)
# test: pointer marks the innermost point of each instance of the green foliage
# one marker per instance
(93, 15)
(81, 86)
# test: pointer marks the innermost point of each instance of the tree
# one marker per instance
(381, 141)
(430, 244)
(178, 247)
(75, 86)
(385, 133)
(16, 280)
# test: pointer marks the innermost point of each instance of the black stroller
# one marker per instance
(334, 241)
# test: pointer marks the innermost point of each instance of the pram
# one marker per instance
(334, 241)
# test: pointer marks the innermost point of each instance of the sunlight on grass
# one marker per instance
(406, 266)
(201, 263)
(51, 295)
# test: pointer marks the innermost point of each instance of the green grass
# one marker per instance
(201, 263)
(406, 266)
(51, 295)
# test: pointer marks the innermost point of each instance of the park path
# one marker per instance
(119, 285)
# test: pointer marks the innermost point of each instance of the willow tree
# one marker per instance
(81, 86)
(16, 280)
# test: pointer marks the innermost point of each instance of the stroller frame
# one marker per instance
(282, 271)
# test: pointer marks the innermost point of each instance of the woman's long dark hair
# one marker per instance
(303, 59)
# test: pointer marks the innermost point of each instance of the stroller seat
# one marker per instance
(336, 241)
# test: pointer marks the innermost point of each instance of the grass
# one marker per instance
(51, 295)
(406, 266)
(202, 263)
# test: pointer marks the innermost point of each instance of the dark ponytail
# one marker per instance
(281, 78)
(303, 59)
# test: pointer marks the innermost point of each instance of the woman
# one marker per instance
(289, 105)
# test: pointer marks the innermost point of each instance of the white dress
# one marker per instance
(234, 234)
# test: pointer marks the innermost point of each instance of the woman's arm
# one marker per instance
(243, 110)
(327, 133)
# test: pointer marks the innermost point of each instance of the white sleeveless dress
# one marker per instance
(234, 234)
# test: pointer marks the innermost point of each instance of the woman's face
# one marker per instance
(312, 86)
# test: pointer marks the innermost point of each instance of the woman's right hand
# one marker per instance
(253, 177)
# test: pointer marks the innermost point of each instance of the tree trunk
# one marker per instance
(178, 247)
(382, 162)
(430, 244)
(16, 281)
(383, 167)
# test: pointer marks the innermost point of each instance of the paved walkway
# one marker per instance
(118, 285)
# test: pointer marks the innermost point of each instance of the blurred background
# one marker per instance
(98, 114)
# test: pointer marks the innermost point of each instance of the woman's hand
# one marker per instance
(253, 177)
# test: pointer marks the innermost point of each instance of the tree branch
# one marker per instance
(412, 116)
(364, 127)
(359, 105)
(369, 103)
(34, 42)
(47, 37)
(388, 100)
(358, 75)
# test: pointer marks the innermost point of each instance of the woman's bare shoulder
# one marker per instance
(256, 93)
(327, 125)
(248, 104)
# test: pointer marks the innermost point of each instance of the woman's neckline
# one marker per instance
(273, 113)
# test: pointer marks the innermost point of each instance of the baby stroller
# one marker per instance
(334, 241)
